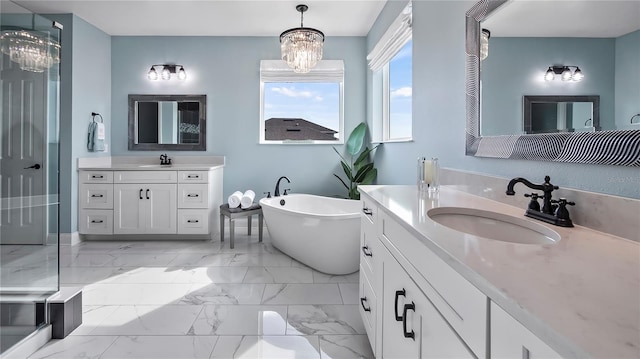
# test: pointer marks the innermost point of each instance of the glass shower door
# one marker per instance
(29, 236)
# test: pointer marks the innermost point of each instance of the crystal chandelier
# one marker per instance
(301, 47)
(30, 50)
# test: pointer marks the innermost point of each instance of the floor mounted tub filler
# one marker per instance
(321, 232)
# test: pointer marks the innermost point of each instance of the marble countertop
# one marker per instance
(580, 295)
(148, 163)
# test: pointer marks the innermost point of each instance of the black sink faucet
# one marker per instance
(546, 188)
(276, 193)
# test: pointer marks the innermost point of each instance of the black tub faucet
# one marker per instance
(276, 193)
(546, 188)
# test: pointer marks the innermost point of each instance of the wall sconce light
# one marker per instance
(484, 43)
(565, 73)
(166, 72)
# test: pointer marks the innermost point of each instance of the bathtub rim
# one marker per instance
(336, 216)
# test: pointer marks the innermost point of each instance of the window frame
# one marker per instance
(386, 101)
(303, 78)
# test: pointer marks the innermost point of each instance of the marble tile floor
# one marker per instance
(157, 299)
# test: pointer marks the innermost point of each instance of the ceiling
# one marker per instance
(216, 17)
(566, 18)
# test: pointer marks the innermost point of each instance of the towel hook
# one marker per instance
(93, 117)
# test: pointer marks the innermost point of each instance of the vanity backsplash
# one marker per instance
(614, 215)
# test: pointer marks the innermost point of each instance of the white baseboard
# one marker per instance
(69, 239)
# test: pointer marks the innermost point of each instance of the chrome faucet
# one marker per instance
(553, 211)
(276, 193)
(165, 160)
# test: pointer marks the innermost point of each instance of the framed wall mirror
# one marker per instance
(520, 54)
(549, 114)
(167, 122)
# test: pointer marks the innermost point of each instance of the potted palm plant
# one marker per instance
(358, 169)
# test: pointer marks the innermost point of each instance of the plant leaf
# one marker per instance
(356, 139)
(342, 158)
(370, 176)
(364, 156)
(363, 172)
(343, 183)
(347, 170)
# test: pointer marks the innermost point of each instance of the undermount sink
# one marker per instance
(493, 225)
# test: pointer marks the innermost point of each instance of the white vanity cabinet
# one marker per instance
(510, 339)
(149, 202)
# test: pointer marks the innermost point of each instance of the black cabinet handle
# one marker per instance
(367, 211)
(395, 309)
(366, 251)
(97, 196)
(35, 167)
(97, 221)
(97, 176)
(362, 300)
(193, 176)
(411, 334)
(192, 195)
(140, 193)
(192, 221)
(147, 193)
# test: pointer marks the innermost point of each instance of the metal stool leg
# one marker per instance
(221, 227)
(249, 225)
(260, 220)
(232, 231)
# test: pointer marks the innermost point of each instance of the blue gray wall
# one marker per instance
(439, 111)
(85, 87)
(516, 67)
(227, 69)
(627, 79)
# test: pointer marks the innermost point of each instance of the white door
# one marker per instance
(129, 201)
(23, 155)
(161, 209)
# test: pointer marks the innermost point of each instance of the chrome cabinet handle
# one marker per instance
(192, 221)
(395, 309)
(147, 193)
(362, 301)
(97, 221)
(192, 195)
(140, 193)
(97, 196)
(410, 334)
(367, 211)
(366, 251)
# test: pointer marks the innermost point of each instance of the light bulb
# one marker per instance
(549, 75)
(577, 75)
(182, 74)
(166, 74)
(152, 74)
(566, 74)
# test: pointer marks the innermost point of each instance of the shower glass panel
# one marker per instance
(29, 236)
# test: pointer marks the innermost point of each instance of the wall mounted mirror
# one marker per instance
(548, 114)
(520, 53)
(167, 122)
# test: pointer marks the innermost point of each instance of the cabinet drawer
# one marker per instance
(96, 196)
(369, 209)
(193, 221)
(95, 221)
(193, 196)
(193, 176)
(96, 177)
(368, 308)
(462, 304)
(145, 177)
(368, 241)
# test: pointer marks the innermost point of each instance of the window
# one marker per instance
(391, 63)
(301, 108)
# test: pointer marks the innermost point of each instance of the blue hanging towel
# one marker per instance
(96, 136)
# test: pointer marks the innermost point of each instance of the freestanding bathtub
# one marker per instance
(321, 232)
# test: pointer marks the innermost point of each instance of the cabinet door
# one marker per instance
(510, 339)
(438, 338)
(128, 209)
(160, 208)
(399, 292)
